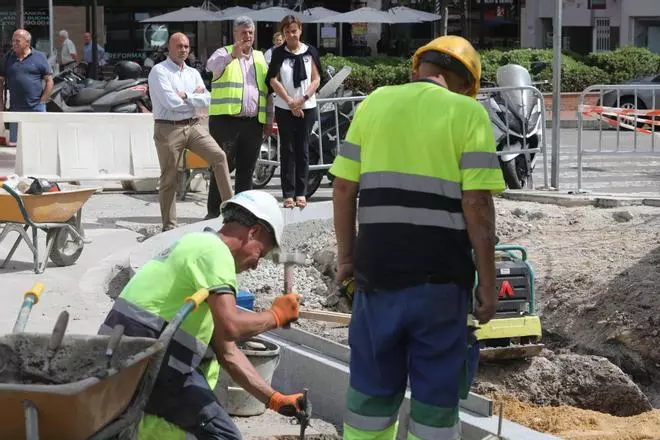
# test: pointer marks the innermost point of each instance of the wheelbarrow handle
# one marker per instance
(198, 297)
(30, 298)
(36, 291)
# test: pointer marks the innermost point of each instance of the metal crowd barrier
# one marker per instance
(621, 110)
(525, 150)
(319, 131)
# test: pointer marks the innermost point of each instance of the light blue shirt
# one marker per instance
(87, 54)
(165, 80)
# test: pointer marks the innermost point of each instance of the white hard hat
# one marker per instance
(263, 206)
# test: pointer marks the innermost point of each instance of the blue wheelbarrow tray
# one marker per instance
(76, 395)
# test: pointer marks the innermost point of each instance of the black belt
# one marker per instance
(181, 122)
(242, 118)
(412, 281)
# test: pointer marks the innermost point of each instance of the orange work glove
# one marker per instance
(287, 405)
(285, 309)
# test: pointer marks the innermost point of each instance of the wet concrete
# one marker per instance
(23, 358)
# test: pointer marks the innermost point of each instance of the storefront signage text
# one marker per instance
(497, 2)
(32, 18)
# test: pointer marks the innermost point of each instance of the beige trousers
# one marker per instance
(171, 139)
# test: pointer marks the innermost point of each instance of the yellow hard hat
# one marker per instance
(458, 48)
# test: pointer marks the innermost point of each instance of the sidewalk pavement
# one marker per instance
(79, 289)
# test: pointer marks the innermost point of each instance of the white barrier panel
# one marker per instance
(85, 146)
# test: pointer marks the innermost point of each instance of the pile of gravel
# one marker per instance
(315, 280)
(313, 238)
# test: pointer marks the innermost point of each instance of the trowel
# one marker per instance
(56, 339)
(113, 343)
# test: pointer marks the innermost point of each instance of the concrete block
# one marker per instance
(617, 202)
(552, 198)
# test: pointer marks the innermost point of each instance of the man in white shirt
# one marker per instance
(67, 56)
(278, 40)
(178, 95)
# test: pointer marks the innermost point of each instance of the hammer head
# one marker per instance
(288, 258)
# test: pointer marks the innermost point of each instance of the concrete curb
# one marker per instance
(306, 358)
(574, 200)
(589, 124)
(154, 245)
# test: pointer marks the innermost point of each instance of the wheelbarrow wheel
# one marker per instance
(66, 248)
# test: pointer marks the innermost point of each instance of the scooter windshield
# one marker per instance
(521, 102)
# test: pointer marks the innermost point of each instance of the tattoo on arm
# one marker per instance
(478, 209)
(479, 213)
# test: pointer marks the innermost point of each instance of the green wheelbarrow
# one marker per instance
(56, 213)
(75, 387)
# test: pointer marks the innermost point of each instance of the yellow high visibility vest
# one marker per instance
(227, 91)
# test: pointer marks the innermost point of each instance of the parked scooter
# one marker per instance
(516, 118)
(128, 93)
(323, 138)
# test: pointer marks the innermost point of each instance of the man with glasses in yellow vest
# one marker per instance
(241, 112)
(423, 156)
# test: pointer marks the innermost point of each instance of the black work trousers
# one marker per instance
(182, 398)
(294, 135)
(240, 139)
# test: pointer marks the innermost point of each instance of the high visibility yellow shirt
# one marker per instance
(414, 149)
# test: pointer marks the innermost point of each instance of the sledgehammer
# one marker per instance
(288, 259)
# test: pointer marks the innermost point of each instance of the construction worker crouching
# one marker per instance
(423, 157)
(182, 401)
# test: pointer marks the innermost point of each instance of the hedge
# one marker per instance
(578, 72)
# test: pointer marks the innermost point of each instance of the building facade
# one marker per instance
(593, 25)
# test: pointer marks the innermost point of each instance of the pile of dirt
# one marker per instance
(588, 382)
(598, 272)
(573, 423)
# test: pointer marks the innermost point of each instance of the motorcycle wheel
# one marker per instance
(511, 177)
(314, 181)
(66, 248)
(262, 173)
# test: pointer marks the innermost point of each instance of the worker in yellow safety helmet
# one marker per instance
(423, 157)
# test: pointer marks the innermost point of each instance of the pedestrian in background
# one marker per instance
(28, 77)
(294, 76)
(241, 111)
(278, 40)
(178, 93)
(87, 51)
(67, 56)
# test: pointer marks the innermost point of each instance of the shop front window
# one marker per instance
(647, 34)
(497, 22)
(36, 21)
(128, 39)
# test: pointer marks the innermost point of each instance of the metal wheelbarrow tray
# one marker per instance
(86, 395)
(56, 213)
(71, 387)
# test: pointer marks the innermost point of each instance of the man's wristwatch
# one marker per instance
(306, 97)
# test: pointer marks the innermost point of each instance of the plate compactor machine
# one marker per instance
(515, 331)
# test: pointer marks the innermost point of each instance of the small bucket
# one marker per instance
(265, 356)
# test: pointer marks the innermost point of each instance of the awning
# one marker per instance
(190, 13)
(318, 13)
(406, 13)
(276, 13)
(367, 15)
